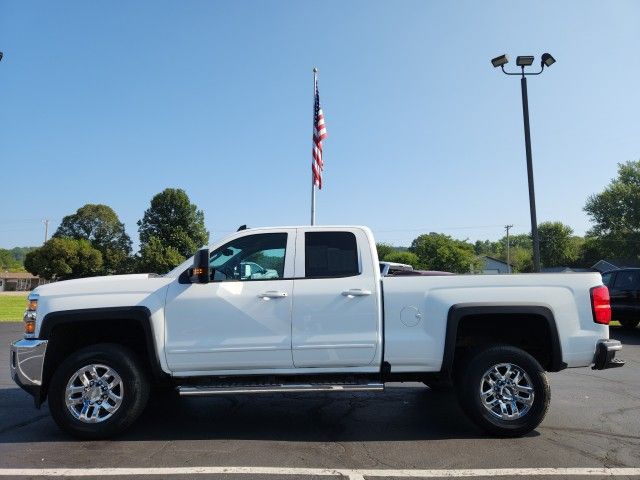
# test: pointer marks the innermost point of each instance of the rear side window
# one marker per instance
(629, 280)
(330, 254)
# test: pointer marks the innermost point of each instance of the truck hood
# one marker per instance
(130, 284)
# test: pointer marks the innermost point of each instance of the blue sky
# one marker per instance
(110, 103)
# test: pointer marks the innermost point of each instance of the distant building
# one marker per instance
(19, 281)
(494, 266)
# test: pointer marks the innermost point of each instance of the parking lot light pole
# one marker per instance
(525, 61)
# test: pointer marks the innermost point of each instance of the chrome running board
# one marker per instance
(190, 391)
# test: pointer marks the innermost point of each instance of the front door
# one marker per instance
(241, 320)
(336, 315)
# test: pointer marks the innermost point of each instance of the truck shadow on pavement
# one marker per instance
(401, 413)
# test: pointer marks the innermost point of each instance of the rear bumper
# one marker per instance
(26, 362)
(605, 354)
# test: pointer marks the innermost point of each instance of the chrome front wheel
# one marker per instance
(98, 391)
(94, 393)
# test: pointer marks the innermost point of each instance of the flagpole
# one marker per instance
(313, 181)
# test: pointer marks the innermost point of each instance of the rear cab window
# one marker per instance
(331, 255)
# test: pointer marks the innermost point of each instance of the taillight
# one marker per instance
(600, 305)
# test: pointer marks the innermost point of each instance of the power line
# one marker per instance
(432, 229)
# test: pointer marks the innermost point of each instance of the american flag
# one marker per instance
(319, 134)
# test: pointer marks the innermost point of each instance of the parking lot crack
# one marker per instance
(159, 450)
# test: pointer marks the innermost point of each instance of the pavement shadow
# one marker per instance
(401, 413)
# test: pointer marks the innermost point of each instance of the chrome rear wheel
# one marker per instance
(506, 391)
(503, 389)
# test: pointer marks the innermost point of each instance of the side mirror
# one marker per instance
(200, 271)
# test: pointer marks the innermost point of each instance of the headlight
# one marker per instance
(30, 316)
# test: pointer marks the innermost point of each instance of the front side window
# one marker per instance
(253, 257)
(331, 254)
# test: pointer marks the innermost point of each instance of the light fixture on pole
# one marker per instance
(526, 61)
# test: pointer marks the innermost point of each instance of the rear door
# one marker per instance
(336, 319)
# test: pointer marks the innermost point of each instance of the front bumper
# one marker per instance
(26, 361)
(605, 354)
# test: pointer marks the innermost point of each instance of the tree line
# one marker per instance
(93, 241)
(614, 213)
(12, 260)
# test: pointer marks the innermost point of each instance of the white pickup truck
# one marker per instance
(323, 321)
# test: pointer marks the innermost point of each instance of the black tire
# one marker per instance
(630, 324)
(468, 387)
(135, 384)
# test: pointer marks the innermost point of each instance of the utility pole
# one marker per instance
(507, 228)
(46, 229)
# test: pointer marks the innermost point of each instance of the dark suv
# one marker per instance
(624, 289)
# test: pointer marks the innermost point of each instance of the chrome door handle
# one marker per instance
(356, 292)
(273, 294)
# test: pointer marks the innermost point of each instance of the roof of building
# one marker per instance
(16, 275)
(565, 269)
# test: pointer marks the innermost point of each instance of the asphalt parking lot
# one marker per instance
(593, 423)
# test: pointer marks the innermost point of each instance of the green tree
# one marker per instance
(64, 258)
(100, 225)
(521, 259)
(598, 248)
(20, 252)
(615, 213)
(171, 226)
(558, 247)
(409, 258)
(8, 261)
(486, 247)
(13, 260)
(437, 251)
(158, 258)
(383, 249)
(522, 240)
(520, 252)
